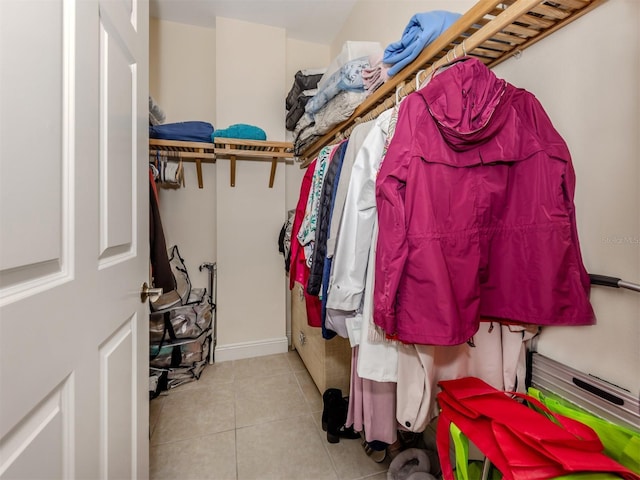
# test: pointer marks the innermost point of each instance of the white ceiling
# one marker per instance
(316, 21)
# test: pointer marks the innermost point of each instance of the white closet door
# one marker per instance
(73, 239)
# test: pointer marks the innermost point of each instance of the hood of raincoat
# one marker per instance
(472, 107)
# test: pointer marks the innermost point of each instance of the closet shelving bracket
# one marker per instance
(258, 150)
(232, 148)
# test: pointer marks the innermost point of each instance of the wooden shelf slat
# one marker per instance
(491, 31)
(232, 148)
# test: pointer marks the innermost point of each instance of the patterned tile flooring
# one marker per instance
(257, 418)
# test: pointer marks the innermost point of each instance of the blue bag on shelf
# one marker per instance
(192, 131)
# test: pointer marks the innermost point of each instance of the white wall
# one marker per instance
(587, 76)
(182, 82)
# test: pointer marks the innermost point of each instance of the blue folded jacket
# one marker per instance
(242, 131)
(423, 28)
(193, 131)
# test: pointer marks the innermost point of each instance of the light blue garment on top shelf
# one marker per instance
(422, 29)
(347, 78)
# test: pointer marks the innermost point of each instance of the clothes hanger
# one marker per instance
(418, 84)
(435, 68)
(398, 88)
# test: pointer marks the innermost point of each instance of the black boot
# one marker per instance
(329, 398)
(336, 418)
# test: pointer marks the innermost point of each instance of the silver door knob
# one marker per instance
(147, 293)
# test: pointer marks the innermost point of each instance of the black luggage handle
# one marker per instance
(612, 282)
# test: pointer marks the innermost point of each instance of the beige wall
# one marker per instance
(182, 70)
(182, 82)
(384, 20)
(253, 313)
(250, 88)
(586, 76)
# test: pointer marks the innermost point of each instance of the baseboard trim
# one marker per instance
(238, 351)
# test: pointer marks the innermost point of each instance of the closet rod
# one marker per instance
(205, 157)
(613, 282)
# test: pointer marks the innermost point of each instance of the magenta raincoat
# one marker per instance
(476, 213)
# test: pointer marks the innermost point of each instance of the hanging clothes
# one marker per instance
(373, 395)
(355, 142)
(299, 271)
(497, 357)
(324, 215)
(307, 233)
(476, 212)
(160, 266)
(372, 406)
(347, 283)
(350, 293)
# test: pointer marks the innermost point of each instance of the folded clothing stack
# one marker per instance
(375, 75)
(192, 131)
(303, 89)
(422, 29)
(240, 131)
(311, 127)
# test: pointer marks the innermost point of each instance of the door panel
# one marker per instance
(73, 239)
(47, 429)
(118, 113)
(117, 357)
(33, 80)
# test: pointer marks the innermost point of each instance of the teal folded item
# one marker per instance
(240, 130)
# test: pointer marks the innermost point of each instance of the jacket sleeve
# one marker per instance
(392, 249)
(356, 227)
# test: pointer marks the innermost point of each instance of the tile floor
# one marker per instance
(257, 418)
